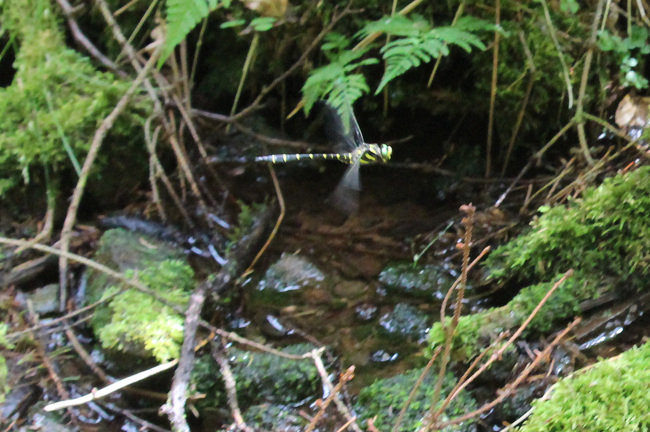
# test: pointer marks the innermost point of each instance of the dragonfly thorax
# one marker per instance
(374, 153)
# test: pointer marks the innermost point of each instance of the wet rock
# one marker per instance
(260, 378)
(44, 300)
(350, 289)
(366, 312)
(423, 281)
(383, 356)
(385, 397)
(405, 321)
(273, 327)
(292, 279)
(274, 417)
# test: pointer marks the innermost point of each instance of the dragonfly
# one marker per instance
(356, 152)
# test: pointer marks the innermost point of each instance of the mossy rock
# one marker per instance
(386, 397)
(132, 321)
(422, 281)
(261, 378)
(612, 396)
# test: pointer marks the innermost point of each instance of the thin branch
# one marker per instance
(93, 151)
(97, 394)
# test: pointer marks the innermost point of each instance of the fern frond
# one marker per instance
(182, 17)
(336, 84)
(406, 53)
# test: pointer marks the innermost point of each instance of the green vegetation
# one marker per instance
(133, 321)
(50, 112)
(4, 385)
(260, 377)
(604, 236)
(386, 397)
(612, 396)
(138, 318)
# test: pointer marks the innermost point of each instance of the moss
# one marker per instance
(261, 378)
(612, 396)
(4, 372)
(133, 321)
(140, 319)
(386, 397)
(606, 232)
(50, 112)
(604, 237)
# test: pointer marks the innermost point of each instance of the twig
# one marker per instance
(497, 354)
(468, 221)
(96, 394)
(333, 394)
(315, 43)
(510, 388)
(524, 104)
(493, 89)
(93, 151)
(231, 388)
(533, 159)
(583, 84)
(565, 69)
(412, 394)
(278, 222)
(84, 41)
(175, 407)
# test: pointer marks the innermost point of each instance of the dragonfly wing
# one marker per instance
(346, 195)
(347, 139)
(355, 130)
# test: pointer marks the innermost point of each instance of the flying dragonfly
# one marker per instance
(356, 152)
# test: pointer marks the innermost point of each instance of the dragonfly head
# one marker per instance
(386, 152)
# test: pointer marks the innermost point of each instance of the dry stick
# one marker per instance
(84, 41)
(459, 12)
(510, 388)
(97, 394)
(443, 306)
(93, 151)
(417, 385)
(44, 357)
(497, 355)
(583, 84)
(153, 167)
(333, 391)
(133, 58)
(175, 406)
(231, 388)
(468, 221)
(278, 222)
(493, 89)
(371, 37)
(534, 158)
(254, 105)
(565, 69)
(524, 103)
(128, 414)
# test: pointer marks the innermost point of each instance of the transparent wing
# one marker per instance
(346, 195)
(336, 132)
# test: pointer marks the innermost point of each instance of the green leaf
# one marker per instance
(182, 17)
(337, 85)
(262, 24)
(233, 23)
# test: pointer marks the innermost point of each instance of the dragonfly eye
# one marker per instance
(386, 152)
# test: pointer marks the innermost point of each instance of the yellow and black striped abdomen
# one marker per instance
(284, 158)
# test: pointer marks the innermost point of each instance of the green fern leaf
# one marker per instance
(410, 52)
(182, 17)
(336, 84)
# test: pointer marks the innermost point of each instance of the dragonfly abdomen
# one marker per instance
(283, 158)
